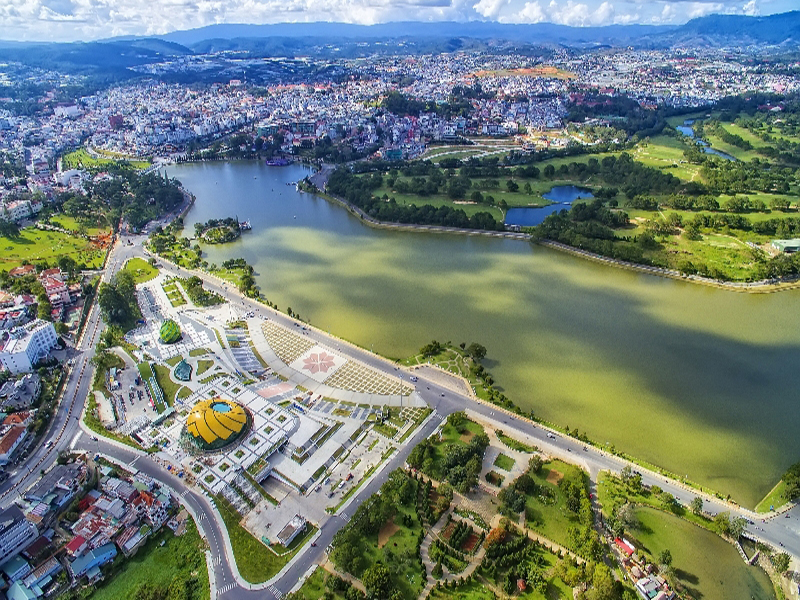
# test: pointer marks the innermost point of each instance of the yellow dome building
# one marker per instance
(216, 423)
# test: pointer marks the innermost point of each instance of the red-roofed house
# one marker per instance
(22, 271)
(19, 418)
(77, 546)
(12, 438)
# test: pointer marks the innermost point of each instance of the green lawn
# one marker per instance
(706, 565)
(315, 587)
(34, 245)
(183, 393)
(514, 444)
(169, 387)
(174, 360)
(73, 224)
(198, 352)
(774, 498)
(203, 365)
(82, 158)
(255, 561)
(506, 463)
(549, 516)
(179, 559)
(666, 153)
(141, 270)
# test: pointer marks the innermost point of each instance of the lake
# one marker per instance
(562, 197)
(699, 380)
(707, 565)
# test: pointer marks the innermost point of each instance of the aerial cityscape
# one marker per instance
(400, 300)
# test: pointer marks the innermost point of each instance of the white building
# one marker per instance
(16, 532)
(23, 347)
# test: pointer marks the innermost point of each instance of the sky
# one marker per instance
(72, 20)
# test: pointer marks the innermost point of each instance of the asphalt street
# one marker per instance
(65, 431)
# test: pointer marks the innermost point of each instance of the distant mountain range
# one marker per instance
(714, 30)
(328, 40)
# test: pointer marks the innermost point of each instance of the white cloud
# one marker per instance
(67, 20)
(490, 8)
(531, 13)
(751, 8)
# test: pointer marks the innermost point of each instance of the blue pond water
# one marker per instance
(561, 195)
(687, 130)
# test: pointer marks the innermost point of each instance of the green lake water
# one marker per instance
(707, 565)
(701, 381)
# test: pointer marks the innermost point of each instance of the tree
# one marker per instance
(377, 581)
(665, 558)
(512, 186)
(736, 527)
(626, 514)
(476, 351)
(781, 562)
(696, 505)
(603, 585)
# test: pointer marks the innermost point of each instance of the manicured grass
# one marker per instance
(774, 498)
(550, 516)
(180, 558)
(514, 444)
(198, 352)
(174, 360)
(169, 387)
(73, 224)
(255, 561)
(705, 564)
(506, 463)
(314, 587)
(34, 245)
(203, 366)
(81, 158)
(141, 270)
(666, 153)
(183, 393)
(611, 492)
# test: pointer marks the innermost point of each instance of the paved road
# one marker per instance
(779, 531)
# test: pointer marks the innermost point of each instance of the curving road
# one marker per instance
(780, 530)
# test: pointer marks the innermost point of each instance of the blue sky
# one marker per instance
(69, 20)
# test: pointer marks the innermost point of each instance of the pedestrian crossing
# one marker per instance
(275, 592)
(344, 516)
(226, 588)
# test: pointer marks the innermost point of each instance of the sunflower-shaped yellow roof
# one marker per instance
(215, 421)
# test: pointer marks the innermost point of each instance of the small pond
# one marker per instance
(562, 197)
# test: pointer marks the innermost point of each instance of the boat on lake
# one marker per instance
(278, 162)
(245, 226)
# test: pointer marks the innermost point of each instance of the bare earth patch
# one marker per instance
(388, 530)
(554, 476)
(466, 437)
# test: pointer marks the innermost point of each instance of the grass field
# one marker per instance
(774, 498)
(169, 387)
(666, 153)
(314, 588)
(34, 245)
(255, 561)
(180, 558)
(141, 270)
(550, 517)
(81, 158)
(73, 224)
(203, 366)
(705, 564)
(506, 463)
(514, 444)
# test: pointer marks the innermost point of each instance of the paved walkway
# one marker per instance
(298, 379)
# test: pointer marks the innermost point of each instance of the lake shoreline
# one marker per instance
(755, 287)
